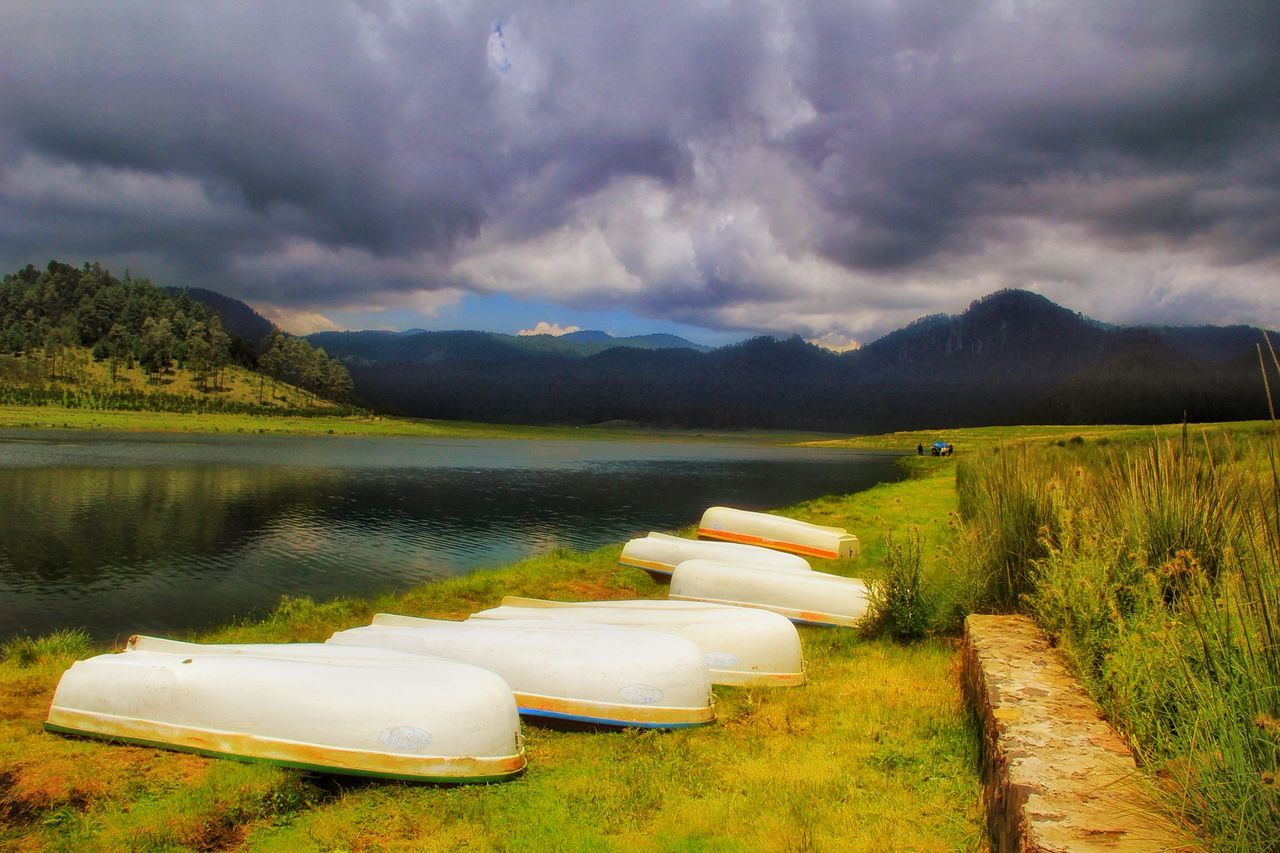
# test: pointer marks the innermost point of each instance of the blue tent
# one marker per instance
(940, 445)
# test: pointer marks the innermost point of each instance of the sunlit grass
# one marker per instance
(60, 417)
(1153, 564)
(832, 766)
(966, 439)
(875, 752)
(238, 385)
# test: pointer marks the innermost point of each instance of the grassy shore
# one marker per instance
(875, 752)
(983, 438)
(59, 417)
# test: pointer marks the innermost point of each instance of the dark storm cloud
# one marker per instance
(939, 117)
(273, 108)
(821, 167)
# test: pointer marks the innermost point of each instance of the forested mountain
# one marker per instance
(122, 321)
(591, 341)
(420, 346)
(1012, 357)
(52, 318)
(240, 320)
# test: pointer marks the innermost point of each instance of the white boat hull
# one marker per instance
(659, 554)
(775, 531)
(582, 673)
(391, 717)
(812, 598)
(742, 647)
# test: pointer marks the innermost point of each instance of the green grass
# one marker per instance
(1154, 570)
(59, 417)
(876, 752)
(1153, 563)
(81, 376)
(967, 439)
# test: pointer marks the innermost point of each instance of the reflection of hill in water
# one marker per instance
(123, 548)
(80, 523)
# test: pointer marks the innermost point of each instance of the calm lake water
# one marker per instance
(124, 533)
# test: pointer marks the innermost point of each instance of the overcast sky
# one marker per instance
(833, 169)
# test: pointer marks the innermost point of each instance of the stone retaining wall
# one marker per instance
(1056, 775)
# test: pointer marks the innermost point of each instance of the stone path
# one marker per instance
(1056, 775)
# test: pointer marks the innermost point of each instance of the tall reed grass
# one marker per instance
(900, 604)
(1006, 501)
(1156, 567)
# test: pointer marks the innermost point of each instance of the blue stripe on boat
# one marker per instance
(604, 721)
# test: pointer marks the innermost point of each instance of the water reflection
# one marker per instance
(159, 534)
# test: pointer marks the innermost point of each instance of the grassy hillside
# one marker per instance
(77, 380)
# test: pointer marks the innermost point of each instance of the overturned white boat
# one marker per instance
(584, 673)
(814, 598)
(777, 532)
(351, 711)
(659, 554)
(741, 646)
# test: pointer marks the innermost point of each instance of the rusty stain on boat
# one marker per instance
(748, 539)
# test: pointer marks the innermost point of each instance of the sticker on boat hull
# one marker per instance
(721, 660)
(640, 694)
(405, 738)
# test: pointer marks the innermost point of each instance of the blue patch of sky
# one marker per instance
(507, 314)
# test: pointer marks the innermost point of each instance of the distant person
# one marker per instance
(919, 450)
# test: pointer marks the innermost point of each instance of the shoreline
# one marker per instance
(877, 751)
(114, 420)
(782, 745)
(247, 519)
(102, 641)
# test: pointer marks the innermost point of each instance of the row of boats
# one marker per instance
(441, 701)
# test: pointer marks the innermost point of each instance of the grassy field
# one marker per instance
(982, 438)
(875, 752)
(59, 417)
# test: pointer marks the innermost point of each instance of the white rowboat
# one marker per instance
(814, 598)
(659, 554)
(777, 532)
(742, 647)
(299, 705)
(584, 673)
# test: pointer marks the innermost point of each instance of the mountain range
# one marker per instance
(419, 346)
(1011, 357)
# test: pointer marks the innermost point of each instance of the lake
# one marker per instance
(122, 533)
